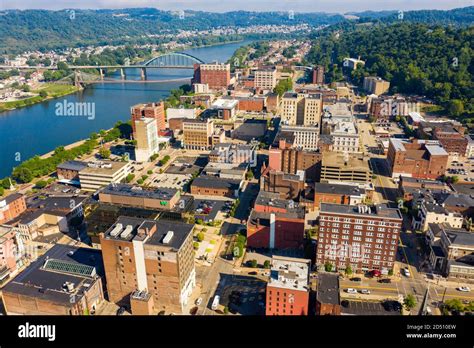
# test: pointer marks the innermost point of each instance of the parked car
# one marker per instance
(356, 279)
(198, 301)
(406, 272)
(351, 291)
(385, 281)
(365, 291)
(463, 289)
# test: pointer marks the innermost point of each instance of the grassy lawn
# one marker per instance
(53, 90)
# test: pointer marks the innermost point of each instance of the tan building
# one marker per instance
(146, 135)
(301, 109)
(197, 134)
(375, 85)
(161, 198)
(265, 78)
(149, 264)
(98, 174)
(336, 167)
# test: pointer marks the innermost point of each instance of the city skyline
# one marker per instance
(336, 6)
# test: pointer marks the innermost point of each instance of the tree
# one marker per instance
(253, 263)
(249, 175)
(41, 184)
(104, 152)
(456, 107)
(348, 270)
(200, 236)
(328, 266)
(266, 264)
(283, 86)
(2, 191)
(196, 245)
(43, 94)
(22, 174)
(409, 302)
(455, 305)
(130, 177)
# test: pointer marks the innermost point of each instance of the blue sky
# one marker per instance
(340, 6)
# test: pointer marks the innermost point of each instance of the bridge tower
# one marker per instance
(77, 79)
(143, 74)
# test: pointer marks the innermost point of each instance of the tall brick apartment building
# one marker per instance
(290, 160)
(422, 159)
(11, 206)
(216, 75)
(275, 223)
(288, 287)
(149, 264)
(150, 110)
(363, 237)
(318, 75)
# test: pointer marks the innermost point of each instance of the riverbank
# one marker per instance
(53, 91)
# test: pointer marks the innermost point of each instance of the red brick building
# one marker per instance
(423, 159)
(288, 287)
(150, 110)
(288, 186)
(363, 237)
(149, 264)
(318, 75)
(216, 75)
(328, 301)
(251, 104)
(291, 160)
(11, 206)
(275, 223)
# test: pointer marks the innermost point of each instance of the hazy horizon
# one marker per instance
(330, 6)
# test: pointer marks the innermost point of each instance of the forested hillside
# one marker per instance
(426, 60)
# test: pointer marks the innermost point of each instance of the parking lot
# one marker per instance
(464, 170)
(209, 210)
(242, 295)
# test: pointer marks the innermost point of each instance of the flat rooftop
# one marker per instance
(160, 193)
(215, 182)
(72, 165)
(380, 210)
(179, 230)
(103, 167)
(290, 273)
(321, 187)
(45, 278)
(328, 289)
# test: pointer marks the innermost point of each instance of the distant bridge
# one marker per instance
(174, 60)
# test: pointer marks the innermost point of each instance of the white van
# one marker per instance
(215, 302)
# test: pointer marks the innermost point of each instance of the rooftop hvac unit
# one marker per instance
(116, 231)
(169, 235)
(127, 231)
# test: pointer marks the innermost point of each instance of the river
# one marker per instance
(36, 130)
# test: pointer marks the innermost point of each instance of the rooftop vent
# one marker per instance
(127, 231)
(117, 229)
(169, 235)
